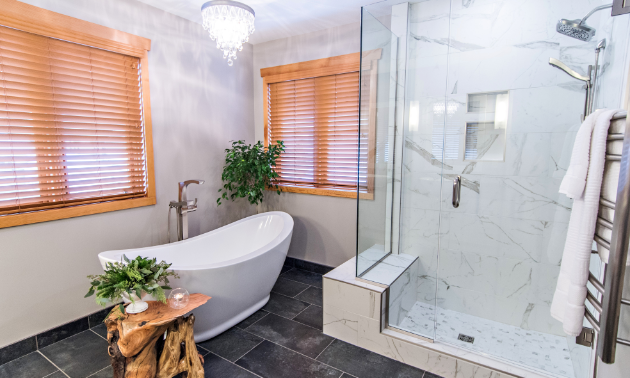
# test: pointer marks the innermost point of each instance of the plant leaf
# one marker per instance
(122, 308)
(89, 293)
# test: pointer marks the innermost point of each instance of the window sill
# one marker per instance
(325, 192)
(71, 212)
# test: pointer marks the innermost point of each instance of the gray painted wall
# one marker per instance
(325, 227)
(198, 104)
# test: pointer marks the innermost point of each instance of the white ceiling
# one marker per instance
(277, 19)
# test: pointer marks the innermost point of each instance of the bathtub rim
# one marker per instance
(286, 232)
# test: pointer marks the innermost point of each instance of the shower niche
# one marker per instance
(486, 124)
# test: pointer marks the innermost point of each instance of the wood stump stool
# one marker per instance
(137, 346)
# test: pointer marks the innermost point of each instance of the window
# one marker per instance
(74, 124)
(313, 107)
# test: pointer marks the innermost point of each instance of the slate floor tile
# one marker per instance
(288, 287)
(33, 365)
(79, 355)
(284, 306)
(101, 330)
(312, 295)
(313, 316)
(253, 318)
(365, 364)
(293, 335)
(216, 367)
(285, 268)
(269, 360)
(309, 278)
(231, 344)
(108, 372)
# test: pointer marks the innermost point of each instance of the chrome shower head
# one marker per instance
(577, 28)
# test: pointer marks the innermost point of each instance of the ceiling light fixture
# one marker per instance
(230, 23)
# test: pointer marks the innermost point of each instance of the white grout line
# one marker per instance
(236, 364)
(320, 353)
(298, 314)
(295, 296)
(199, 346)
(261, 341)
(98, 371)
(54, 372)
(97, 334)
(62, 372)
(267, 313)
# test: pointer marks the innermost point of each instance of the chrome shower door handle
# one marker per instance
(457, 188)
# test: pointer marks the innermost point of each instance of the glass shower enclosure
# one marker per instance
(471, 131)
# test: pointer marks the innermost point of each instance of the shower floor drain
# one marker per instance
(466, 338)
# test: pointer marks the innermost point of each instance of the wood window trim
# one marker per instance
(39, 21)
(323, 67)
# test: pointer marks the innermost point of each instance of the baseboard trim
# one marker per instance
(307, 265)
(43, 339)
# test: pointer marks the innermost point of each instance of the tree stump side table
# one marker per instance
(138, 350)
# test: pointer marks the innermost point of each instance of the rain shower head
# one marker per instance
(577, 28)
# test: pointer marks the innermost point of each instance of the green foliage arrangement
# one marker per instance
(248, 170)
(131, 277)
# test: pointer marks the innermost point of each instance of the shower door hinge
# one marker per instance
(585, 337)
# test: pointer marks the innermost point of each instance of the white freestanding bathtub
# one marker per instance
(237, 265)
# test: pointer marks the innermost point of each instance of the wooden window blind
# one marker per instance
(71, 124)
(318, 120)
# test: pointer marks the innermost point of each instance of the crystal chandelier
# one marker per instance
(230, 23)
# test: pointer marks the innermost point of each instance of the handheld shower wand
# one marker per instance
(578, 28)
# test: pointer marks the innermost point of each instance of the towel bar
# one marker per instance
(595, 282)
(604, 243)
(604, 223)
(606, 203)
(612, 288)
(596, 304)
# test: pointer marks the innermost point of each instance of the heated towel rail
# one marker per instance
(612, 234)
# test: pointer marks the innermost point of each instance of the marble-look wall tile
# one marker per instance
(341, 324)
(402, 294)
(352, 298)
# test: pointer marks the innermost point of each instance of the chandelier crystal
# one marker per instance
(230, 23)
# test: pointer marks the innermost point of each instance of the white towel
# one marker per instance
(574, 180)
(568, 300)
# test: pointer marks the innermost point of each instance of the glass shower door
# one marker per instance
(510, 122)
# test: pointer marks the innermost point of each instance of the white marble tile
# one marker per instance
(341, 324)
(402, 293)
(545, 352)
(369, 257)
(389, 269)
(495, 236)
(346, 273)
(352, 298)
(429, 27)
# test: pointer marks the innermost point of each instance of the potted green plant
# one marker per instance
(249, 170)
(132, 280)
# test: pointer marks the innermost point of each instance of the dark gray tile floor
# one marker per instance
(282, 340)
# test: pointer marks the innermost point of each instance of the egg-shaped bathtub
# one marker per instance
(237, 265)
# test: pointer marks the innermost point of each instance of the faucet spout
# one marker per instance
(184, 184)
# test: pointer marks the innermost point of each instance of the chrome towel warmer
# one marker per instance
(610, 291)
